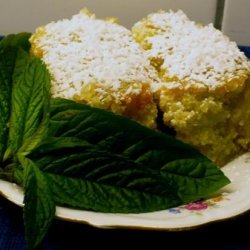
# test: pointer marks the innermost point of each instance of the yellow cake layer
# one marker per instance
(208, 108)
(98, 62)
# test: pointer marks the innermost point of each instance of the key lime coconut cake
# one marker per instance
(195, 75)
(99, 63)
(204, 91)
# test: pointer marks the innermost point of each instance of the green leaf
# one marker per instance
(7, 172)
(39, 208)
(16, 40)
(91, 195)
(95, 196)
(7, 64)
(76, 158)
(50, 144)
(186, 180)
(115, 133)
(113, 150)
(22, 59)
(193, 178)
(37, 138)
(30, 102)
(117, 156)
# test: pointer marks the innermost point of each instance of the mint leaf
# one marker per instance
(22, 59)
(115, 133)
(87, 166)
(183, 180)
(79, 159)
(16, 40)
(9, 47)
(30, 101)
(7, 64)
(39, 206)
(194, 178)
(7, 172)
(91, 195)
(113, 150)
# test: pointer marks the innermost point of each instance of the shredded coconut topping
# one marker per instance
(194, 53)
(86, 50)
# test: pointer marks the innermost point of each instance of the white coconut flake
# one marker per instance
(194, 53)
(86, 50)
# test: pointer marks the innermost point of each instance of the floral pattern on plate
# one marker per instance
(199, 206)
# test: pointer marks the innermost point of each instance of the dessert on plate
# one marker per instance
(204, 89)
(193, 74)
(99, 63)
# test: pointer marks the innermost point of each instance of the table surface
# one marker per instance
(230, 234)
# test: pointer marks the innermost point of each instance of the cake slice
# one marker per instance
(204, 92)
(99, 63)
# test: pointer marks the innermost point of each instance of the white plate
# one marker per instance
(232, 200)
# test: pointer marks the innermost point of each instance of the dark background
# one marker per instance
(230, 234)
